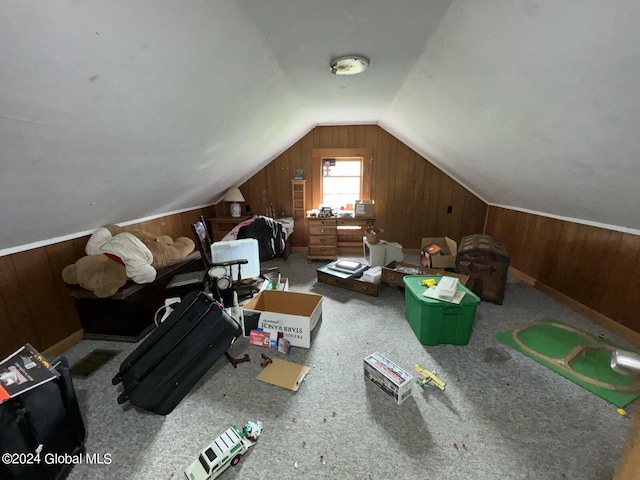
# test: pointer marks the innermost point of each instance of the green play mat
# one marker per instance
(576, 356)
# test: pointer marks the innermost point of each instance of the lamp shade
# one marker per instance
(233, 195)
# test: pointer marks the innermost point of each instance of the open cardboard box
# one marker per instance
(448, 250)
(364, 209)
(294, 314)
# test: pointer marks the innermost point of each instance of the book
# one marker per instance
(432, 249)
(23, 370)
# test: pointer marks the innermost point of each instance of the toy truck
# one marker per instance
(224, 450)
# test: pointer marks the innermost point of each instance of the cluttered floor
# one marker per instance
(502, 415)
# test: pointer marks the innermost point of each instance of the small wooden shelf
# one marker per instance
(298, 198)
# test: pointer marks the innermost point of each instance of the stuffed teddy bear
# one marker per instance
(115, 255)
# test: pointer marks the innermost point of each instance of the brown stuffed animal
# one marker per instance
(115, 255)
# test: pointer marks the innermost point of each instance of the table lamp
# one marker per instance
(234, 195)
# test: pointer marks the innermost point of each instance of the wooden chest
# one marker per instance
(128, 315)
(486, 261)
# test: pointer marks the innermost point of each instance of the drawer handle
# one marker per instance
(322, 230)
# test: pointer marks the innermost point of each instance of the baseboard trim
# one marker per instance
(631, 336)
(63, 345)
(629, 464)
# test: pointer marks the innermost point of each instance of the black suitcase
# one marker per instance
(47, 415)
(164, 368)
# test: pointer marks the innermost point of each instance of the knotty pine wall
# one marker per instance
(411, 194)
(596, 267)
(35, 304)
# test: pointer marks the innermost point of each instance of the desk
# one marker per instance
(329, 236)
(220, 226)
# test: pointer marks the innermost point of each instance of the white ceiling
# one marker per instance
(113, 111)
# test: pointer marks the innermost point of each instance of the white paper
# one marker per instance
(431, 293)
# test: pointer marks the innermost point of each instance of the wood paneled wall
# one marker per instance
(411, 194)
(35, 304)
(597, 267)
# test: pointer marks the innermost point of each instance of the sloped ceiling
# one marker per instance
(113, 111)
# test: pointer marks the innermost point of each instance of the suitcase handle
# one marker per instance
(118, 377)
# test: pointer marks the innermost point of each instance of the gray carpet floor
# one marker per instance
(515, 418)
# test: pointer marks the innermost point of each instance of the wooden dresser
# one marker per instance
(323, 238)
(332, 235)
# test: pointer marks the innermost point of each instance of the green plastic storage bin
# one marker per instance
(435, 321)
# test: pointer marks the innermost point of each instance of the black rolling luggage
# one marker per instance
(46, 415)
(162, 370)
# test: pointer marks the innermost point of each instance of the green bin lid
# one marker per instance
(413, 284)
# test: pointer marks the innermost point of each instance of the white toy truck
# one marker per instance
(224, 450)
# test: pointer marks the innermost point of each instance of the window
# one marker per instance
(341, 182)
(340, 176)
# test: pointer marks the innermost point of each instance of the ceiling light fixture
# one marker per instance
(349, 65)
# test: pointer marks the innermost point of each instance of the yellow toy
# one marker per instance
(428, 282)
(429, 376)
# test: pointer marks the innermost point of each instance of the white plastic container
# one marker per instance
(246, 248)
(447, 288)
(373, 275)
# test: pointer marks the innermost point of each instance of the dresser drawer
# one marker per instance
(328, 240)
(322, 222)
(332, 230)
(352, 284)
(320, 251)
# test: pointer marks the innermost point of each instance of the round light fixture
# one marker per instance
(349, 65)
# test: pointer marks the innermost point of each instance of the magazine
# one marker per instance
(23, 370)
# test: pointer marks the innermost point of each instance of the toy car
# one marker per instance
(224, 450)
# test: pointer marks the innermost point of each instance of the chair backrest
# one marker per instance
(203, 240)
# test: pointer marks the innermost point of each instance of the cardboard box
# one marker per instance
(448, 251)
(393, 380)
(293, 314)
(394, 272)
(364, 209)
